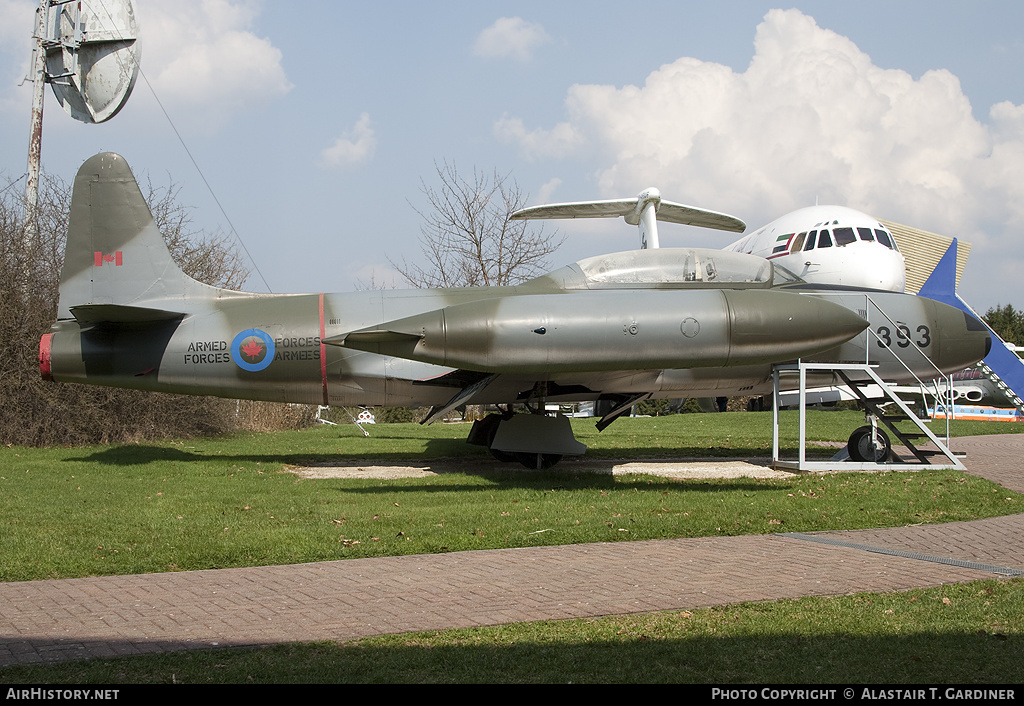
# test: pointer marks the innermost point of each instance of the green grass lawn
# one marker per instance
(215, 503)
(226, 502)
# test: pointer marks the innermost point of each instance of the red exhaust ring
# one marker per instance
(44, 356)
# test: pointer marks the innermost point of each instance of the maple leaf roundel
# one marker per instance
(252, 350)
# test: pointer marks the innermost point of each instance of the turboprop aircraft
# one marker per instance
(661, 322)
(831, 245)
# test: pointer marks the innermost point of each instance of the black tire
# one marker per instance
(483, 430)
(504, 456)
(537, 462)
(862, 448)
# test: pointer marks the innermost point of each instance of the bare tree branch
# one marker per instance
(467, 238)
(210, 258)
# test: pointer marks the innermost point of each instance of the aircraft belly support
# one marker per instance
(537, 441)
(536, 433)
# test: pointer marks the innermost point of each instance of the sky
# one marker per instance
(312, 133)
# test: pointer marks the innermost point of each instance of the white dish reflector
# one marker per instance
(92, 57)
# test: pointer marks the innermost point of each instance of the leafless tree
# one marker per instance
(467, 238)
(210, 258)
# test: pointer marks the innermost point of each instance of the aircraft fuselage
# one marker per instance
(272, 347)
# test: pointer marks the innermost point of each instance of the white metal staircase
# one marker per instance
(858, 377)
(1011, 395)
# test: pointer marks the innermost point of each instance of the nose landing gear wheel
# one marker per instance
(862, 447)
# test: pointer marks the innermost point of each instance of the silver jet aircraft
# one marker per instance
(617, 328)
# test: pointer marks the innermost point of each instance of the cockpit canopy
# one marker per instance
(668, 268)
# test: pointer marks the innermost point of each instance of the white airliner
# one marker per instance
(830, 245)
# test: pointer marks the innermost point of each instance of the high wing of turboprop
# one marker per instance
(667, 322)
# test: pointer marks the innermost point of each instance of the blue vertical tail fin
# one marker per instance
(941, 286)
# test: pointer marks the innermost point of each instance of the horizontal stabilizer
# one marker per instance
(581, 209)
(121, 314)
(667, 212)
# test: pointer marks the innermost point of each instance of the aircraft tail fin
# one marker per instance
(115, 255)
(941, 283)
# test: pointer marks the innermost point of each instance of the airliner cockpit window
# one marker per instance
(798, 243)
(866, 234)
(811, 237)
(824, 239)
(884, 239)
(844, 236)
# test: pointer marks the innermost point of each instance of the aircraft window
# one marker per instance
(892, 239)
(865, 234)
(883, 238)
(844, 236)
(824, 239)
(798, 243)
(784, 240)
(811, 237)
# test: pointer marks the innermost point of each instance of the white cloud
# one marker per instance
(378, 276)
(810, 119)
(544, 195)
(354, 147)
(203, 54)
(510, 37)
(557, 142)
(17, 28)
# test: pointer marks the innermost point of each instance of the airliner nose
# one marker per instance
(892, 273)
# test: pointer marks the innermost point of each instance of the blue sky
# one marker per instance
(315, 127)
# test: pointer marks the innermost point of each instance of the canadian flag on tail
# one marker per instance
(99, 258)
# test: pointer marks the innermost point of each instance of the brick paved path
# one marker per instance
(43, 621)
